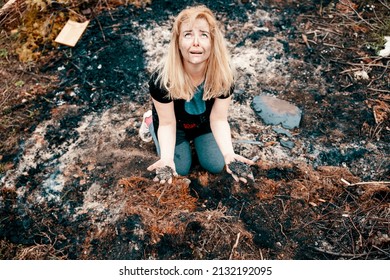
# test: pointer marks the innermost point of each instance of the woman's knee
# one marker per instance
(209, 154)
(183, 158)
(214, 167)
(182, 168)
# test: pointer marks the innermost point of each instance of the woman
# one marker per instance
(191, 92)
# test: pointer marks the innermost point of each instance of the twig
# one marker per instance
(242, 206)
(360, 235)
(100, 26)
(78, 68)
(5, 97)
(248, 142)
(235, 245)
(384, 4)
(107, 5)
(281, 230)
(339, 254)
(360, 64)
(350, 70)
(381, 76)
(345, 181)
(304, 37)
(6, 13)
(363, 183)
(376, 131)
(158, 200)
(328, 30)
(359, 16)
(348, 232)
(384, 71)
(284, 208)
(339, 47)
(7, 6)
(378, 19)
(379, 249)
(261, 254)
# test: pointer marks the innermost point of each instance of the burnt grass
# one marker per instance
(109, 206)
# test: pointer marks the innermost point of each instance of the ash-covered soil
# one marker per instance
(78, 187)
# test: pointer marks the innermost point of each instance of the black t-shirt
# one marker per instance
(192, 117)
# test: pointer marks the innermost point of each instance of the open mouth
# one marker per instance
(195, 52)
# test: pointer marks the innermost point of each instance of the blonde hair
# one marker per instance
(219, 77)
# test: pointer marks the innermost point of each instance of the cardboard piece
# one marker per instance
(71, 33)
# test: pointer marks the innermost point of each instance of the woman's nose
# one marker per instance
(196, 41)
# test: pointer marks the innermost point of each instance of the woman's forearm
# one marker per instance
(166, 132)
(222, 135)
(167, 139)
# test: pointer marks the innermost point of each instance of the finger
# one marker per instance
(151, 167)
(235, 177)
(242, 179)
(250, 176)
(228, 170)
(255, 158)
(170, 180)
(162, 182)
(245, 160)
(156, 179)
(248, 161)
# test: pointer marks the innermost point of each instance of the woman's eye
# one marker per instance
(187, 35)
(205, 35)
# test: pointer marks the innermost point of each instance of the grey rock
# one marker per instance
(282, 131)
(287, 144)
(275, 111)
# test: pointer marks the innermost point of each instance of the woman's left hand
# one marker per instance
(239, 167)
(165, 171)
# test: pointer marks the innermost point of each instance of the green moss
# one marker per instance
(3, 53)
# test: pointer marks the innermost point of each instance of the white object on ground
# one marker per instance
(144, 132)
(386, 51)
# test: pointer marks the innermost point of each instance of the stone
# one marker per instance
(282, 131)
(287, 144)
(276, 111)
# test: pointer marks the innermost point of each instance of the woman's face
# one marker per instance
(195, 42)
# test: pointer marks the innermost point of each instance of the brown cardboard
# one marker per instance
(71, 33)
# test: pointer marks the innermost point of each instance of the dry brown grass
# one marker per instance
(10, 251)
(160, 206)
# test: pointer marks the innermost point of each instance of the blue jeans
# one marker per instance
(207, 151)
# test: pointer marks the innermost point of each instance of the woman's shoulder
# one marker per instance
(153, 77)
(157, 91)
(228, 93)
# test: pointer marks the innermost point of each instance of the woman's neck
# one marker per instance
(197, 80)
(196, 73)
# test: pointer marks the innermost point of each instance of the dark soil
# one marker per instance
(74, 183)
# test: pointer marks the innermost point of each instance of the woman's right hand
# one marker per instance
(241, 167)
(165, 170)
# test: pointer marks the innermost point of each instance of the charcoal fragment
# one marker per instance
(164, 173)
(241, 169)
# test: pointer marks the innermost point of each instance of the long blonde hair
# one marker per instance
(219, 77)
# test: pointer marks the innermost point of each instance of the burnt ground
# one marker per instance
(73, 173)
